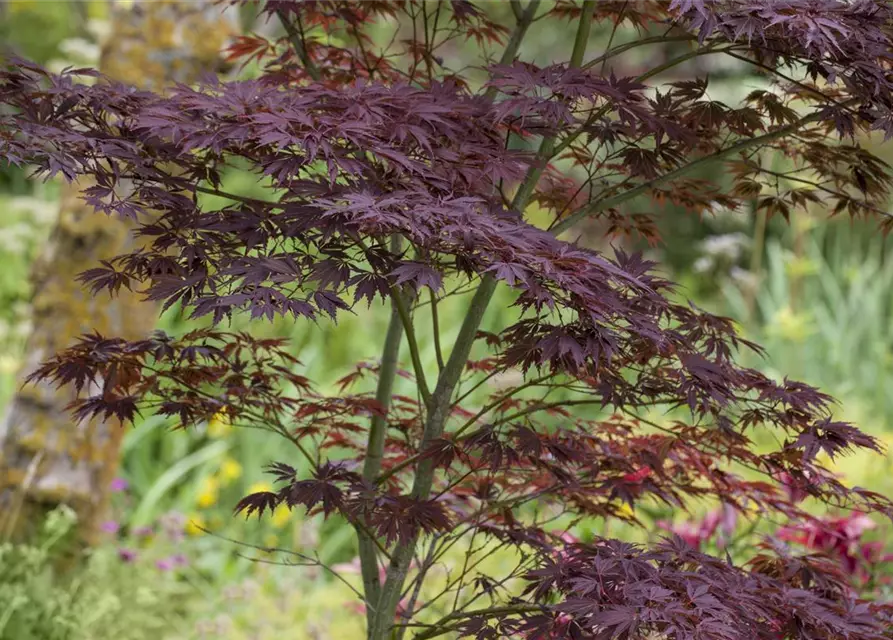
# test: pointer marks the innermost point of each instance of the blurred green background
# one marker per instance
(817, 294)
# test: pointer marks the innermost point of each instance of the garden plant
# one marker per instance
(397, 178)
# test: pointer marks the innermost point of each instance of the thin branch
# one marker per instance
(403, 311)
(435, 327)
(787, 78)
(439, 628)
(514, 43)
(306, 560)
(297, 41)
(375, 446)
(820, 187)
(669, 64)
(424, 567)
(443, 392)
(623, 48)
(608, 203)
(547, 146)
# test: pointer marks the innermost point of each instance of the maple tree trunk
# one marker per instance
(381, 622)
(45, 458)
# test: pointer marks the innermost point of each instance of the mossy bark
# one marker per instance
(46, 459)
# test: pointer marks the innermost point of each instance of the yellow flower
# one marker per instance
(207, 496)
(259, 487)
(825, 460)
(219, 425)
(8, 364)
(281, 516)
(195, 525)
(625, 511)
(791, 326)
(230, 470)
(801, 267)
(206, 499)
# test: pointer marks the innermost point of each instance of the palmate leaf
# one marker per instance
(257, 503)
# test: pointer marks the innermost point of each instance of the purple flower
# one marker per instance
(110, 526)
(173, 523)
(119, 484)
(165, 564)
(142, 532)
(179, 560)
(127, 555)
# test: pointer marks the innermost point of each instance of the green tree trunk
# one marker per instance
(45, 458)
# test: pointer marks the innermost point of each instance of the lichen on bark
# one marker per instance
(45, 458)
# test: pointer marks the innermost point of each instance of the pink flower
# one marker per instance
(165, 564)
(839, 536)
(119, 484)
(568, 539)
(179, 560)
(110, 526)
(173, 524)
(688, 531)
(696, 534)
(856, 525)
(127, 555)
(795, 490)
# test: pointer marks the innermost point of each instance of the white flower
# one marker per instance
(744, 278)
(703, 264)
(728, 245)
(80, 49)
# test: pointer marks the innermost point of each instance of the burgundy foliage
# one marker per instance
(393, 178)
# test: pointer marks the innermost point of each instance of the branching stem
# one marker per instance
(405, 317)
(375, 448)
(441, 400)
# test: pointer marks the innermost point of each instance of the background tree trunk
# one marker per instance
(45, 458)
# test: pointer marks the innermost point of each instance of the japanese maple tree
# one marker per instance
(396, 178)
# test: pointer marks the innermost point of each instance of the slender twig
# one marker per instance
(441, 627)
(613, 33)
(623, 48)
(523, 22)
(598, 113)
(306, 560)
(297, 41)
(820, 187)
(613, 201)
(424, 567)
(403, 312)
(435, 327)
(813, 90)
